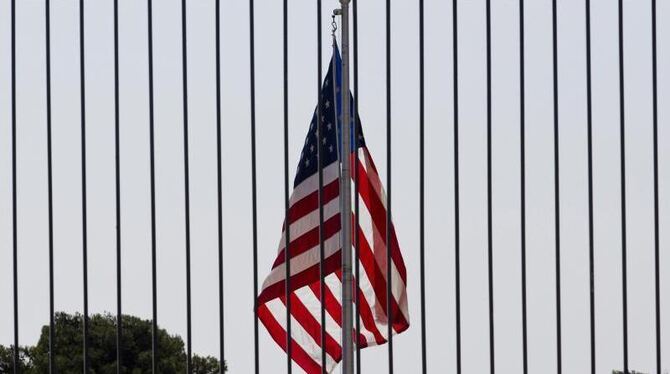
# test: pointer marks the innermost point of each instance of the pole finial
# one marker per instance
(333, 23)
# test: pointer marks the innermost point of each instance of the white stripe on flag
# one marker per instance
(304, 260)
(310, 221)
(368, 229)
(311, 184)
(298, 333)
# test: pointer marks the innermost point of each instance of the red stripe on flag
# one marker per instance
(278, 334)
(310, 203)
(305, 277)
(333, 305)
(367, 318)
(378, 280)
(313, 327)
(378, 214)
(310, 239)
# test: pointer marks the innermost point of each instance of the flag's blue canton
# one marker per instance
(329, 128)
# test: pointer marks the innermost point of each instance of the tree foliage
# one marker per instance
(135, 355)
(7, 359)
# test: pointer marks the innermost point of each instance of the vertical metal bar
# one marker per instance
(522, 151)
(152, 153)
(287, 253)
(557, 205)
(15, 268)
(254, 210)
(117, 164)
(457, 215)
(319, 155)
(187, 194)
(219, 184)
(622, 138)
(345, 198)
(489, 185)
(389, 282)
(589, 123)
(52, 322)
(422, 227)
(357, 267)
(657, 287)
(84, 229)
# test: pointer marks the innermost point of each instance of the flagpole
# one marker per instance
(347, 283)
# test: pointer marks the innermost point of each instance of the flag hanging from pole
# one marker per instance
(304, 249)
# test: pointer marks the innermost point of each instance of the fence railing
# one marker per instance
(628, 250)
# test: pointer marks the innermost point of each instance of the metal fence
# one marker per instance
(424, 250)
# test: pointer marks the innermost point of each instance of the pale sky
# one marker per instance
(32, 189)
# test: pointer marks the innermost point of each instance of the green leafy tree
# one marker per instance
(135, 355)
(206, 365)
(7, 359)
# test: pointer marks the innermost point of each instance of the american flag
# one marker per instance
(304, 250)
